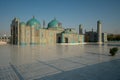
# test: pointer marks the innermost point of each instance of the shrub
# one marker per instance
(113, 51)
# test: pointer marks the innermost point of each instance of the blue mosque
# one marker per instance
(33, 33)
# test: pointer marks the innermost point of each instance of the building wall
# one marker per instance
(22, 35)
(29, 35)
(90, 36)
(47, 36)
(104, 37)
(71, 38)
(81, 38)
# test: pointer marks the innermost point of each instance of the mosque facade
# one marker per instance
(32, 33)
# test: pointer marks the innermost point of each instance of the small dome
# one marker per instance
(22, 24)
(53, 24)
(33, 22)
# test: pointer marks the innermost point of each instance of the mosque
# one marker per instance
(32, 33)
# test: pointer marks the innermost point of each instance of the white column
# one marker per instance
(99, 31)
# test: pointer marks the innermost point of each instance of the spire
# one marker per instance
(99, 31)
(80, 29)
(80, 25)
(92, 29)
(54, 18)
(33, 16)
(43, 23)
(60, 24)
(85, 30)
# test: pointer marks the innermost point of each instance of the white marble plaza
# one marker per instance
(59, 62)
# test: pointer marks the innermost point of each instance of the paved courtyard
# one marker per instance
(91, 64)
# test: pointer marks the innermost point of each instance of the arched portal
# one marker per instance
(59, 40)
(66, 40)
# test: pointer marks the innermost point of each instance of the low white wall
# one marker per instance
(2, 43)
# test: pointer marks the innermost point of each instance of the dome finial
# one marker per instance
(33, 16)
(33, 22)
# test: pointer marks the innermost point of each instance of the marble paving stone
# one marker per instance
(65, 65)
(6, 73)
(101, 71)
(35, 70)
(84, 61)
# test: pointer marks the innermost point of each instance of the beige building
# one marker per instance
(32, 33)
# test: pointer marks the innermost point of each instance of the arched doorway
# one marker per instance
(66, 40)
(59, 40)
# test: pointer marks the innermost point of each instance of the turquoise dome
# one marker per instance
(33, 23)
(53, 24)
(22, 24)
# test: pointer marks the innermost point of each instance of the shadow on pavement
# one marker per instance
(102, 71)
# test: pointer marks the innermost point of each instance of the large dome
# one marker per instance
(33, 22)
(54, 24)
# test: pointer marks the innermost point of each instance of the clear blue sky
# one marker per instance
(70, 13)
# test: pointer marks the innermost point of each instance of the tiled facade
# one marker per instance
(31, 33)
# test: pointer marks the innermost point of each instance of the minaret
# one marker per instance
(99, 32)
(92, 29)
(80, 29)
(15, 31)
(85, 31)
(43, 23)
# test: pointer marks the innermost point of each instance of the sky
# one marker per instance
(70, 13)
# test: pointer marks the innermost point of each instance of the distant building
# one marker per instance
(31, 33)
(98, 36)
(4, 38)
